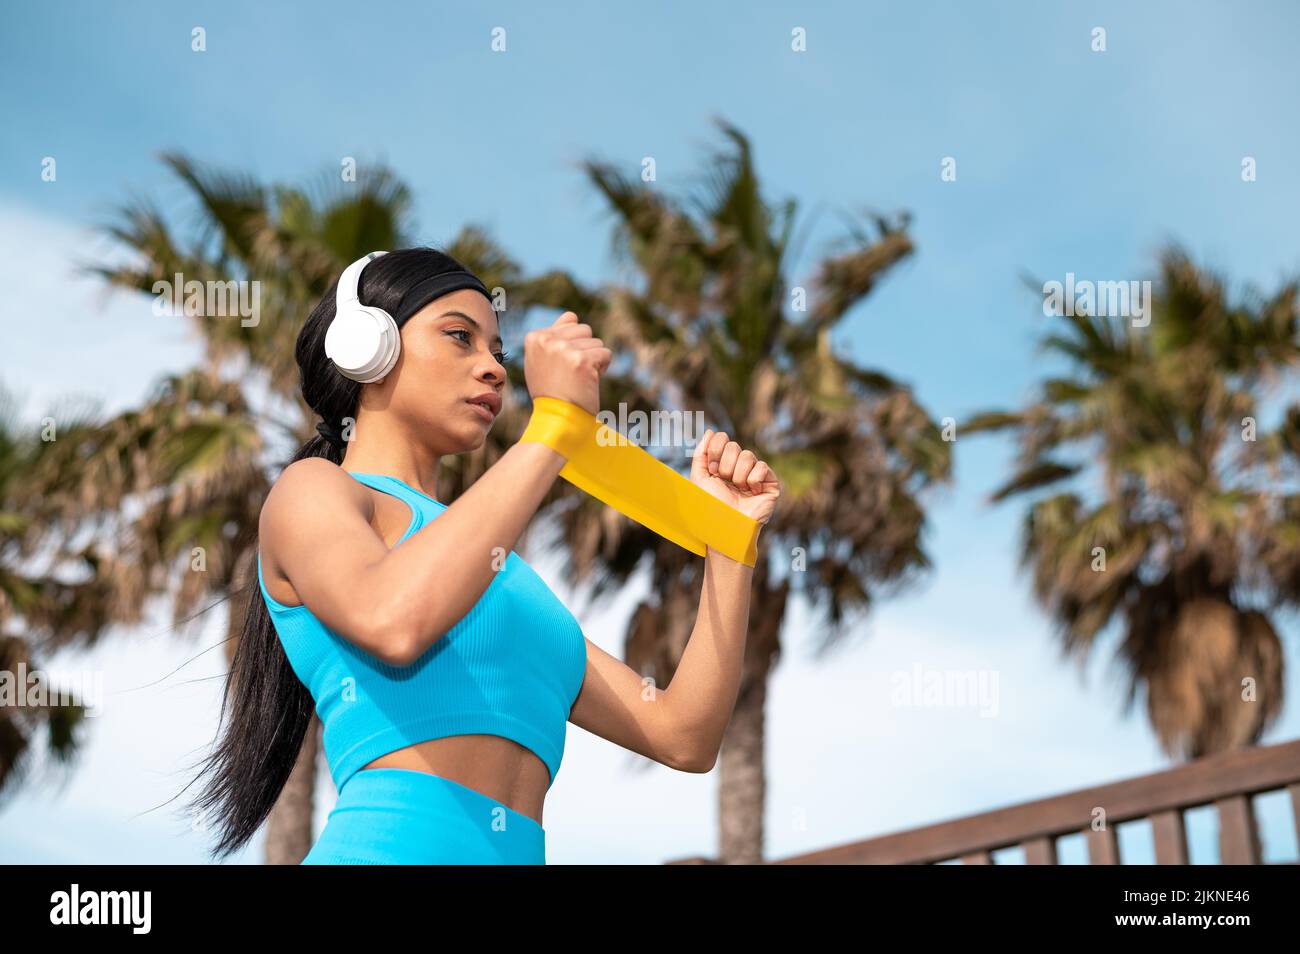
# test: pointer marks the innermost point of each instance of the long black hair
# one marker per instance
(270, 707)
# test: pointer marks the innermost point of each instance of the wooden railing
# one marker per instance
(1228, 782)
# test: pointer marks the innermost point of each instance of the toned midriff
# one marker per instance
(494, 766)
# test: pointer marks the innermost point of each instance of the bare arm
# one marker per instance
(702, 694)
(682, 725)
(440, 572)
(396, 603)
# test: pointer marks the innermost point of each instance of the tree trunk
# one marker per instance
(289, 826)
(742, 786)
(742, 771)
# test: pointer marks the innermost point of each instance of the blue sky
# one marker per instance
(1067, 160)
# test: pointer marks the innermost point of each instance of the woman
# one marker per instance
(443, 668)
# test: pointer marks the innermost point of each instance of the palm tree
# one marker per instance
(715, 328)
(1191, 538)
(41, 610)
(180, 480)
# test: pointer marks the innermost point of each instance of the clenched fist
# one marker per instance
(735, 476)
(566, 361)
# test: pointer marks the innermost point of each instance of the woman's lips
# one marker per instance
(482, 412)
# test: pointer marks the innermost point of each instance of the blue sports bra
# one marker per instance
(512, 667)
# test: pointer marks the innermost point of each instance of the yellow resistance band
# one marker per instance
(603, 463)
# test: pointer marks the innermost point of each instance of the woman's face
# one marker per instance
(449, 361)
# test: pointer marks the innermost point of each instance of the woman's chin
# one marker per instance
(476, 437)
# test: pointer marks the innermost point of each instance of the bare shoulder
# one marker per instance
(308, 492)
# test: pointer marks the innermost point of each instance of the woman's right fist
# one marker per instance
(565, 361)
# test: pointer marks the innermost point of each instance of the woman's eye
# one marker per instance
(499, 355)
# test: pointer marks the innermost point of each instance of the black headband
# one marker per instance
(435, 286)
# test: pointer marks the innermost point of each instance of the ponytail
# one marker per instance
(270, 711)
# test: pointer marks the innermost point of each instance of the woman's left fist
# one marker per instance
(735, 476)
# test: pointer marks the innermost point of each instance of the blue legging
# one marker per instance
(395, 816)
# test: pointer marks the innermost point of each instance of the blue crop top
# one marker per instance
(512, 667)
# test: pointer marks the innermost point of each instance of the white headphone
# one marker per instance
(362, 341)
